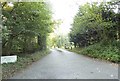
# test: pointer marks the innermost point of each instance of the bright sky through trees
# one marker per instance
(66, 10)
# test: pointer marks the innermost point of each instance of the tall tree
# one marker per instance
(93, 23)
(24, 25)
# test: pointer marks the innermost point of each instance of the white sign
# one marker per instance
(8, 59)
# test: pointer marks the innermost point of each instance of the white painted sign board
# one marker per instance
(8, 59)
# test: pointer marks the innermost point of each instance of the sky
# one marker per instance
(66, 10)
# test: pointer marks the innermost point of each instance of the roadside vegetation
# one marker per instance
(100, 51)
(95, 31)
(25, 29)
(23, 61)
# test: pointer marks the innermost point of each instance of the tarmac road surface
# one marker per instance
(68, 65)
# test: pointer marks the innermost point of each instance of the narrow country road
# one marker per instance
(68, 65)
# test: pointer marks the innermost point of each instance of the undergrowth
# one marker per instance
(23, 60)
(103, 50)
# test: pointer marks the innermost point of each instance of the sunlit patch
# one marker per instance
(111, 75)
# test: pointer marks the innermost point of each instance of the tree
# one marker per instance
(26, 27)
(94, 23)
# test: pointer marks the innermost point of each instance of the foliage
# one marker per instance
(105, 51)
(26, 27)
(23, 61)
(102, 50)
(96, 30)
(55, 40)
(94, 23)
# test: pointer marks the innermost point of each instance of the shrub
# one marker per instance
(108, 51)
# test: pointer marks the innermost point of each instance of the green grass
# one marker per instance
(105, 51)
(23, 61)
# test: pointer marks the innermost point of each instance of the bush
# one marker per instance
(108, 51)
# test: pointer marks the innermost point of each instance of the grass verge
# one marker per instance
(104, 51)
(23, 60)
